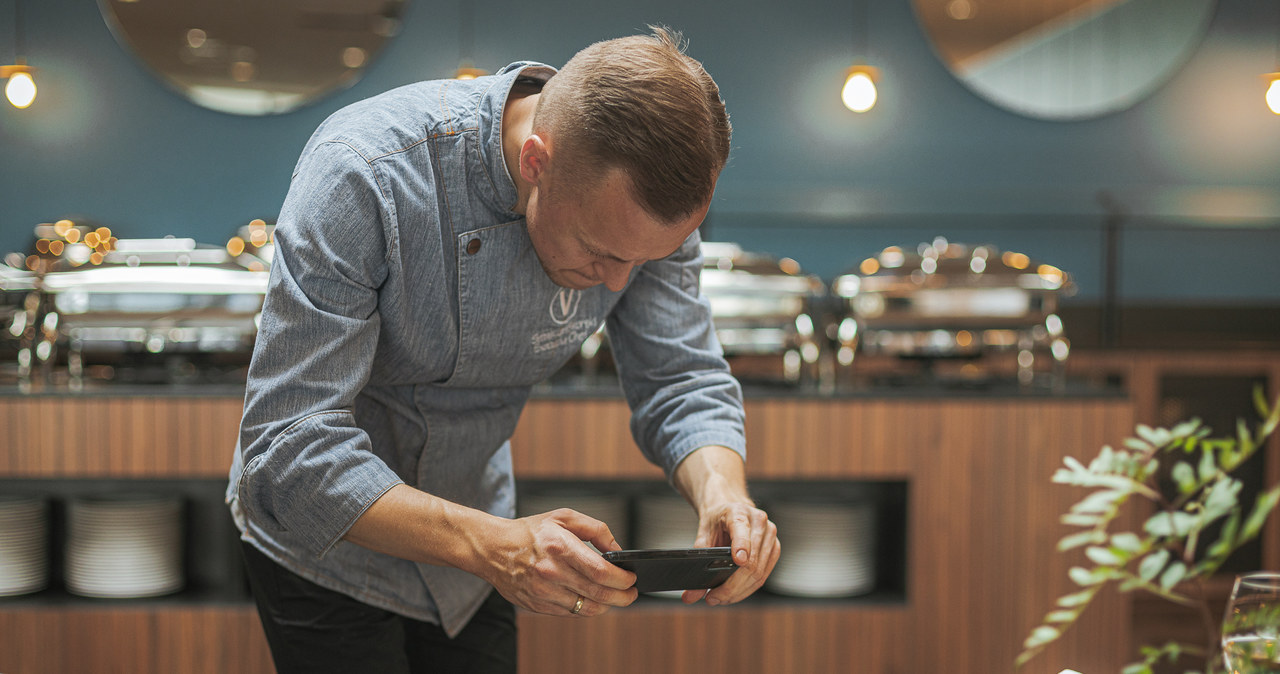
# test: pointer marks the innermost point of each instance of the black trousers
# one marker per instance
(315, 630)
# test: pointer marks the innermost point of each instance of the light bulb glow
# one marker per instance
(859, 93)
(1273, 94)
(21, 89)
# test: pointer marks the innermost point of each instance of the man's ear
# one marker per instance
(535, 158)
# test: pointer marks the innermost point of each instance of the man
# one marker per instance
(443, 247)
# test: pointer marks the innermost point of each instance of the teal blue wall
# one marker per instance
(1196, 166)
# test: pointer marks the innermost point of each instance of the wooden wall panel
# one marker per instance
(559, 437)
(786, 438)
(984, 569)
(129, 640)
(118, 437)
(700, 640)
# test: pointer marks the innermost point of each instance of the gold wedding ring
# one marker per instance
(577, 605)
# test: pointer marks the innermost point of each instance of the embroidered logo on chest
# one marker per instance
(564, 305)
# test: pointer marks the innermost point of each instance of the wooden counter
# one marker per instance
(980, 520)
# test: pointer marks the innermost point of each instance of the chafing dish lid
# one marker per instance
(942, 264)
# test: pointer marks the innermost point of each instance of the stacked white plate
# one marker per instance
(664, 522)
(24, 548)
(610, 508)
(124, 546)
(828, 549)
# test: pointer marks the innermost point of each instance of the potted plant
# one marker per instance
(1170, 556)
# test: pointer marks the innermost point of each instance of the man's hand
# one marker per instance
(541, 563)
(754, 540)
(713, 479)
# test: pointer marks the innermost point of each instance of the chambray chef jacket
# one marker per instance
(406, 320)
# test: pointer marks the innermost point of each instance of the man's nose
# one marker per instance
(615, 274)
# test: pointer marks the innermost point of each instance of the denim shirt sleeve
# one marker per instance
(309, 470)
(673, 373)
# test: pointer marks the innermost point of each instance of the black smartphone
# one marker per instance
(679, 569)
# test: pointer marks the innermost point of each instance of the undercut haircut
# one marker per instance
(641, 105)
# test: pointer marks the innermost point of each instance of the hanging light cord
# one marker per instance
(1277, 6)
(466, 37)
(18, 47)
(859, 32)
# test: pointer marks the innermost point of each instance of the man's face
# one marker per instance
(588, 235)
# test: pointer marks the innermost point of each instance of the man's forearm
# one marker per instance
(407, 523)
(711, 476)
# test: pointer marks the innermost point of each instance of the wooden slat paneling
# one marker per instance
(157, 640)
(126, 437)
(984, 569)
(698, 640)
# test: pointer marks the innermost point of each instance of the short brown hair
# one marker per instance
(639, 104)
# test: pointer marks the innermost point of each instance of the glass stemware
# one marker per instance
(1251, 626)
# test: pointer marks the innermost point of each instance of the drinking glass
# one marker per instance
(1251, 627)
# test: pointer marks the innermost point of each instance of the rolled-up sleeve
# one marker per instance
(308, 469)
(674, 376)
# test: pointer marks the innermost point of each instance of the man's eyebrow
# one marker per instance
(599, 253)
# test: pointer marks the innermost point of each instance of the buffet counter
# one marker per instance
(966, 522)
(967, 565)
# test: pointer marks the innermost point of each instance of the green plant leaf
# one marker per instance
(1152, 563)
(1245, 440)
(1138, 445)
(1269, 426)
(1208, 465)
(1173, 575)
(1222, 498)
(1102, 556)
(1103, 461)
(1082, 538)
(1076, 599)
(1098, 502)
(1184, 476)
(1227, 537)
(1152, 466)
(1186, 428)
(1063, 476)
(1261, 508)
(1130, 584)
(1061, 616)
(1080, 520)
(1137, 668)
(1041, 636)
(1127, 542)
(1167, 524)
(1156, 437)
(1082, 576)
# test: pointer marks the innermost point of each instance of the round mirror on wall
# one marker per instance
(1064, 59)
(254, 58)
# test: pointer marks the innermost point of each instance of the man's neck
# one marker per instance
(517, 125)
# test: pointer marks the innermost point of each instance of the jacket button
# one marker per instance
(473, 246)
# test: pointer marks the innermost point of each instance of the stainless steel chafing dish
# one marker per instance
(160, 309)
(764, 308)
(949, 301)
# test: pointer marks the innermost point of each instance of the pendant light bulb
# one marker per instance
(468, 72)
(859, 93)
(1273, 93)
(21, 89)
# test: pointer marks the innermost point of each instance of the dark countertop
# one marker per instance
(606, 388)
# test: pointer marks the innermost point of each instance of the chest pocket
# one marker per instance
(516, 327)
